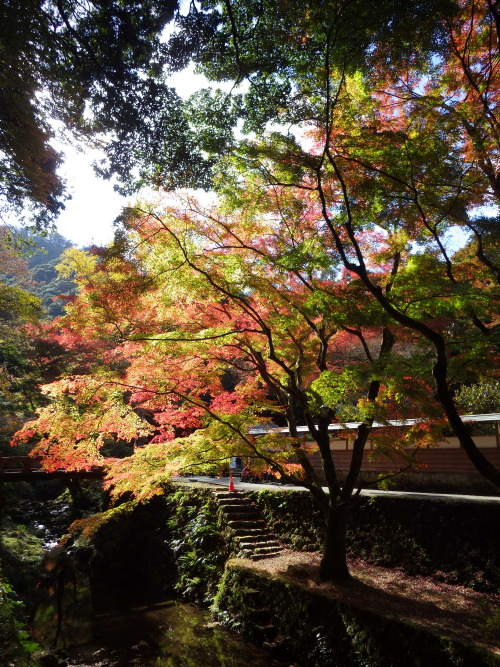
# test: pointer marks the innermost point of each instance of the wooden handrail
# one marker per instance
(15, 468)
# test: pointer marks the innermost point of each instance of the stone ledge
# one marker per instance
(316, 628)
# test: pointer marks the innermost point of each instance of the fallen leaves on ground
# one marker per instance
(454, 611)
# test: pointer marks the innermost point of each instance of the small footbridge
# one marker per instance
(29, 469)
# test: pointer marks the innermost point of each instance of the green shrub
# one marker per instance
(199, 541)
(16, 646)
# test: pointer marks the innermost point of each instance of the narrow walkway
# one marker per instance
(246, 486)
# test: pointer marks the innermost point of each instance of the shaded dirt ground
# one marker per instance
(454, 611)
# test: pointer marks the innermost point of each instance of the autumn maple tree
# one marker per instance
(385, 132)
(217, 321)
(326, 283)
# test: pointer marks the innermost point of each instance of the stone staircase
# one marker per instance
(255, 539)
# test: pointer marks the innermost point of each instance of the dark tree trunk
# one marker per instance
(440, 373)
(444, 394)
(78, 496)
(334, 561)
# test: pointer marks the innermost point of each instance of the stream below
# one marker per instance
(81, 626)
(164, 634)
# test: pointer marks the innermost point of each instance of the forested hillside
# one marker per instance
(29, 289)
(34, 269)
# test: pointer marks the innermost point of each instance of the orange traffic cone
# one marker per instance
(231, 484)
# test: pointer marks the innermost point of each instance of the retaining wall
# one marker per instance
(316, 631)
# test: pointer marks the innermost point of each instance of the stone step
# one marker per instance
(269, 549)
(245, 516)
(247, 525)
(256, 539)
(238, 507)
(262, 551)
(242, 509)
(259, 546)
(265, 536)
(245, 512)
(243, 533)
(233, 502)
(258, 556)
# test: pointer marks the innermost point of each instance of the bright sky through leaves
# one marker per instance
(89, 215)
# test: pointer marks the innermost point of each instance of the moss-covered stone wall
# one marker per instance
(180, 542)
(458, 542)
(200, 542)
(313, 630)
(176, 542)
